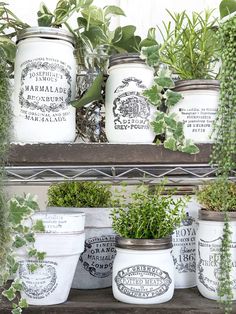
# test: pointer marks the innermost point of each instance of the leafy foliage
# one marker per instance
(19, 235)
(148, 215)
(166, 123)
(213, 196)
(190, 45)
(79, 194)
(227, 7)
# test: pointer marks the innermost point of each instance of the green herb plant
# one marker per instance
(148, 215)
(20, 235)
(190, 45)
(79, 194)
(161, 95)
(224, 149)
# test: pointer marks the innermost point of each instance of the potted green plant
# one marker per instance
(94, 199)
(191, 51)
(217, 233)
(143, 269)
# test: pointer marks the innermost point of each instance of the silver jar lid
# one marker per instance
(210, 215)
(45, 32)
(122, 58)
(184, 85)
(144, 244)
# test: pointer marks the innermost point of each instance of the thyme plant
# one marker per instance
(148, 215)
(79, 194)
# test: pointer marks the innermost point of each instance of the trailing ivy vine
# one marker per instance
(224, 150)
(5, 120)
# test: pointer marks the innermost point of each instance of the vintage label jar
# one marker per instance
(197, 109)
(45, 75)
(209, 239)
(143, 271)
(127, 112)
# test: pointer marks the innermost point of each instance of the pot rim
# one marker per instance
(144, 244)
(204, 84)
(211, 215)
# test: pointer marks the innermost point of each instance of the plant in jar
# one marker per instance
(79, 194)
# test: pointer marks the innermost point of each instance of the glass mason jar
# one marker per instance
(45, 77)
(143, 271)
(127, 112)
(209, 238)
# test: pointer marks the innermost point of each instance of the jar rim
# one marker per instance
(144, 244)
(211, 215)
(122, 58)
(45, 32)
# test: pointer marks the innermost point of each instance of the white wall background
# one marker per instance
(142, 13)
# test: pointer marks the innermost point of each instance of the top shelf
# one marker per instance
(85, 154)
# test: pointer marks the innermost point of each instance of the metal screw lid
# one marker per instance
(122, 58)
(144, 244)
(184, 85)
(45, 32)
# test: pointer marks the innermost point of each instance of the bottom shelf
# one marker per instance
(185, 301)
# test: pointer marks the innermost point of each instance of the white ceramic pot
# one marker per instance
(51, 282)
(143, 271)
(197, 110)
(127, 112)
(184, 248)
(94, 269)
(209, 237)
(45, 78)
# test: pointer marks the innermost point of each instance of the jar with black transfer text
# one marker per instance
(143, 271)
(45, 77)
(127, 112)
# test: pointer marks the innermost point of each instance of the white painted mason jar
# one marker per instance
(197, 110)
(45, 78)
(127, 113)
(209, 237)
(143, 271)
(184, 247)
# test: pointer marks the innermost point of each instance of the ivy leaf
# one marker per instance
(19, 242)
(113, 10)
(32, 252)
(30, 237)
(151, 33)
(41, 256)
(17, 310)
(164, 82)
(128, 42)
(158, 126)
(153, 94)
(189, 147)
(17, 285)
(170, 122)
(179, 131)
(170, 143)
(92, 94)
(151, 55)
(10, 293)
(32, 267)
(62, 11)
(8, 47)
(172, 98)
(227, 7)
(45, 17)
(23, 303)
(39, 226)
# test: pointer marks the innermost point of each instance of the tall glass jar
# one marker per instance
(45, 76)
(128, 113)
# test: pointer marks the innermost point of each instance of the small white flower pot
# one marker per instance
(51, 282)
(94, 269)
(209, 237)
(143, 271)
